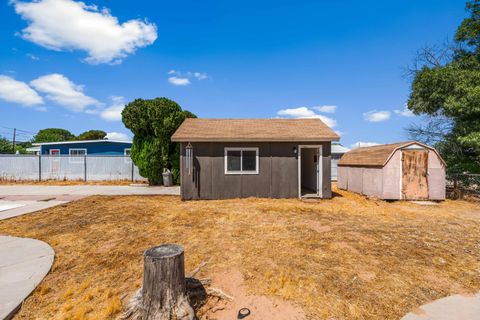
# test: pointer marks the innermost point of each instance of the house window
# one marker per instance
(77, 155)
(241, 160)
(54, 152)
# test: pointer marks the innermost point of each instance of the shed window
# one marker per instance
(241, 160)
(76, 155)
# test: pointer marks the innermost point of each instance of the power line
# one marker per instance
(20, 130)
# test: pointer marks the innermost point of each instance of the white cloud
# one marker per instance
(15, 91)
(33, 57)
(325, 109)
(304, 112)
(301, 112)
(361, 144)
(184, 78)
(200, 75)
(376, 116)
(117, 136)
(405, 112)
(114, 111)
(64, 92)
(176, 81)
(70, 25)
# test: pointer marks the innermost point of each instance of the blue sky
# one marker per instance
(72, 65)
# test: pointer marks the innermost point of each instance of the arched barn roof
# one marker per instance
(377, 156)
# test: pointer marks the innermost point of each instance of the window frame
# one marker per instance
(76, 158)
(53, 152)
(241, 149)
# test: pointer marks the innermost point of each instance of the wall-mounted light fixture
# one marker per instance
(189, 158)
(295, 150)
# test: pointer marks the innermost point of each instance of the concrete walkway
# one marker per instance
(25, 199)
(457, 307)
(23, 264)
(84, 190)
(26, 206)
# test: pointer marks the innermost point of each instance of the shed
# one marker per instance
(269, 158)
(398, 171)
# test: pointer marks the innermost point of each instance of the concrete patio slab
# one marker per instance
(37, 197)
(26, 207)
(8, 206)
(88, 190)
(24, 263)
(458, 307)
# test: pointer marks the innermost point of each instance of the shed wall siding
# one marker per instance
(342, 178)
(277, 178)
(372, 182)
(392, 177)
(327, 171)
(355, 179)
(436, 177)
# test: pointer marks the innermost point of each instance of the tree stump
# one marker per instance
(163, 295)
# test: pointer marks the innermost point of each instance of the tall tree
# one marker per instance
(53, 135)
(92, 135)
(5, 146)
(153, 122)
(446, 89)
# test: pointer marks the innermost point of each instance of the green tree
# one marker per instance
(53, 135)
(5, 146)
(153, 122)
(92, 135)
(446, 89)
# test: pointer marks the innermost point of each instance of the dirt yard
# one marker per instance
(344, 258)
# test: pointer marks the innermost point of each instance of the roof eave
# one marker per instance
(79, 141)
(255, 140)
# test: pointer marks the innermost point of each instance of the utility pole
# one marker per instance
(14, 134)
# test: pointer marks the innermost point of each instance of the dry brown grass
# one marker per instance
(70, 182)
(344, 258)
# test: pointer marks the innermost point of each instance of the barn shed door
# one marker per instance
(414, 174)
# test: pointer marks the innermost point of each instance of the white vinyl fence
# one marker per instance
(59, 167)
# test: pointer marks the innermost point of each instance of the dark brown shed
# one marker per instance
(233, 158)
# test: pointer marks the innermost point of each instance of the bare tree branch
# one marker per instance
(431, 56)
(431, 130)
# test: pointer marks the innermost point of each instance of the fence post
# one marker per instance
(39, 167)
(132, 168)
(85, 167)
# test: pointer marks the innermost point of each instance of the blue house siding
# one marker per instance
(102, 147)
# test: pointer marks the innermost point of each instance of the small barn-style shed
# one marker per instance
(399, 171)
(269, 158)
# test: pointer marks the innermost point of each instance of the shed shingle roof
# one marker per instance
(247, 130)
(376, 155)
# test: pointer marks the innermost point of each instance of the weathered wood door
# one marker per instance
(414, 174)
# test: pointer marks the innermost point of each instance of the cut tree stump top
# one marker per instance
(164, 251)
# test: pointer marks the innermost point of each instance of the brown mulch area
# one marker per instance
(344, 258)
